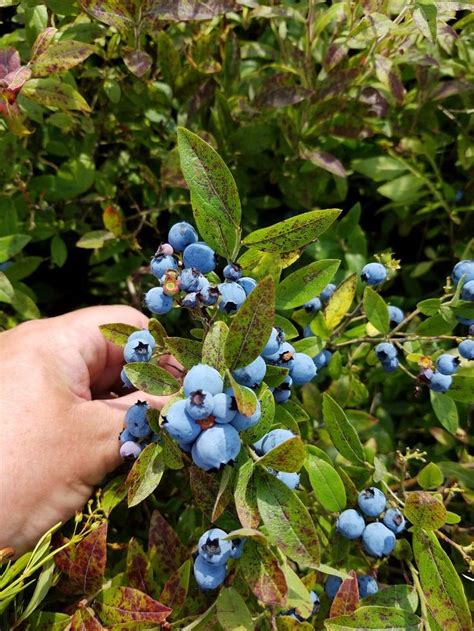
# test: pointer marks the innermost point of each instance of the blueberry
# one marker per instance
(391, 364)
(192, 300)
(232, 271)
(378, 540)
(200, 256)
(209, 295)
(283, 357)
(271, 440)
(191, 279)
(248, 284)
(307, 332)
(157, 301)
(468, 291)
(275, 340)
(241, 422)
(367, 586)
(466, 349)
(125, 380)
(165, 248)
(179, 424)
(303, 369)
(213, 548)
(199, 404)
(327, 292)
(292, 612)
(216, 446)
(137, 351)
(130, 449)
(291, 480)
(385, 351)
(467, 322)
(283, 392)
(232, 297)
(372, 501)
(447, 364)
(394, 520)
(5, 265)
(395, 315)
(125, 436)
(313, 306)
(161, 264)
(143, 336)
(322, 359)
(203, 377)
(224, 408)
(185, 446)
(181, 235)
(463, 268)
(237, 548)
(350, 524)
(136, 421)
(251, 375)
(208, 576)
(440, 382)
(332, 586)
(373, 273)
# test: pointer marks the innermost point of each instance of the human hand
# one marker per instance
(59, 424)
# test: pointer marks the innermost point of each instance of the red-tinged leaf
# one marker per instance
(175, 591)
(117, 13)
(60, 56)
(324, 160)
(261, 570)
(42, 42)
(347, 598)
(282, 96)
(85, 620)
(9, 62)
(124, 604)
(245, 496)
(185, 10)
(165, 550)
(139, 572)
(17, 79)
(113, 219)
(84, 564)
(137, 61)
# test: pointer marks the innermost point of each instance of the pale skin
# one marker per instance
(59, 421)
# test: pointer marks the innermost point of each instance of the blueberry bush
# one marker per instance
(311, 468)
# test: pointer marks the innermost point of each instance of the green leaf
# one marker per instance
(157, 330)
(60, 56)
(446, 411)
(436, 325)
(152, 379)
(118, 605)
(340, 302)
(401, 596)
(214, 195)
(275, 375)
(11, 245)
(245, 497)
(94, 239)
(232, 612)
(425, 510)
(403, 189)
(441, 584)
(213, 346)
(298, 595)
(305, 283)
(376, 310)
(224, 493)
(261, 571)
(288, 328)
(267, 406)
(378, 618)
(55, 94)
(462, 387)
(294, 233)
(117, 332)
(250, 330)
(379, 168)
(245, 398)
(58, 250)
(287, 520)
(429, 307)
(25, 306)
(424, 15)
(187, 352)
(343, 435)
(287, 456)
(145, 474)
(7, 293)
(430, 477)
(326, 483)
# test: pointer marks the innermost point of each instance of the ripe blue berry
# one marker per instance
(157, 301)
(372, 501)
(373, 273)
(394, 520)
(191, 301)
(208, 576)
(130, 449)
(125, 380)
(447, 364)
(307, 332)
(350, 524)
(181, 235)
(283, 357)
(291, 480)
(251, 375)
(237, 548)
(199, 404)
(248, 284)
(313, 306)
(232, 297)
(125, 436)
(303, 369)
(209, 295)
(322, 359)
(390, 364)
(468, 291)
(203, 377)
(440, 382)
(463, 268)
(327, 292)
(216, 446)
(200, 256)
(213, 548)
(179, 424)
(136, 421)
(332, 586)
(378, 540)
(224, 407)
(271, 440)
(137, 351)
(161, 264)
(232, 271)
(143, 336)
(466, 321)
(276, 339)
(241, 422)
(367, 586)
(385, 351)
(191, 279)
(466, 349)
(395, 315)
(283, 392)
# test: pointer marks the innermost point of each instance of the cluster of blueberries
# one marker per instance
(378, 537)
(137, 433)
(214, 551)
(367, 586)
(181, 264)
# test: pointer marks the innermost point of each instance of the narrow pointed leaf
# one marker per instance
(376, 310)
(343, 435)
(245, 398)
(346, 600)
(245, 496)
(145, 474)
(340, 302)
(327, 485)
(305, 283)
